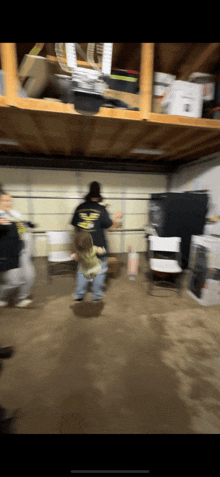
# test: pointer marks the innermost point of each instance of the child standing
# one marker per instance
(90, 267)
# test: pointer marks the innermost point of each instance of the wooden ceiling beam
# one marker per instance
(115, 139)
(188, 68)
(136, 141)
(68, 147)
(38, 134)
(181, 57)
(179, 151)
(117, 52)
(201, 149)
(176, 137)
(85, 135)
(157, 132)
(169, 56)
(13, 125)
(28, 130)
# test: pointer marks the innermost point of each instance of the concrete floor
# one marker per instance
(137, 364)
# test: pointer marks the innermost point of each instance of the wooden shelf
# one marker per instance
(59, 107)
(201, 57)
(3, 102)
(184, 121)
(50, 127)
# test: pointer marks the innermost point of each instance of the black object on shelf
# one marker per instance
(179, 215)
(86, 102)
(207, 109)
(123, 80)
(217, 94)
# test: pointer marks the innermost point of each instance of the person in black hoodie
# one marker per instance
(16, 269)
(94, 218)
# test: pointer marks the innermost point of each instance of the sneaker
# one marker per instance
(23, 303)
(3, 303)
(77, 299)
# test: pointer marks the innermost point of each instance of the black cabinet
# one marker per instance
(178, 214)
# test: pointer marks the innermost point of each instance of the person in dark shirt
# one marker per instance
(94, 218)
(16, 268)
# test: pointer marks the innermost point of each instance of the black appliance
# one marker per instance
(200, 271)
(178, 215)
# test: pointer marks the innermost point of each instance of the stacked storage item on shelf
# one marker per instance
(195, 97)
(184, 99)
(208, 92)
(161, 85)
(204, 265)
(123, 89)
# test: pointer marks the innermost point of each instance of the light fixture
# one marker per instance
(147, 151)
(9, 142)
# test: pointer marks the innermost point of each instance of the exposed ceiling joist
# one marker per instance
(198, 62)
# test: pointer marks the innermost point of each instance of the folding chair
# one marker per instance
(164, 265)
(59, 253)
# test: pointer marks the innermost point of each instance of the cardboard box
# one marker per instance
(184, 99)
(204, 269)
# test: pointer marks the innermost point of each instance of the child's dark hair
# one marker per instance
(82, 244)
(83, 241)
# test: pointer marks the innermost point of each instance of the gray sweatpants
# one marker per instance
(21, 278)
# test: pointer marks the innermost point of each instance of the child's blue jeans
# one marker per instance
(97, 285)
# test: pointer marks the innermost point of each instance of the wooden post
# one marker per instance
(9, 66)
(146, 79)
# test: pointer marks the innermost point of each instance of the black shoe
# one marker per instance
(9, 425)
(6, 352)
(79, 299)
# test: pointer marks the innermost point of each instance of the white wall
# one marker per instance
(49, 198)
(202, 175)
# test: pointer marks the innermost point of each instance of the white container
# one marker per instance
(161, 83)
(208, 84)
(204, 273)
(184, 99)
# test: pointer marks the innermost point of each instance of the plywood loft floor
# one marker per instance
(138, 364)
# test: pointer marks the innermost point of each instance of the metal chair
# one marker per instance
(59, 260)
(162, 265)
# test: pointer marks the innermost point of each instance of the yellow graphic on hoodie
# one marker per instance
(88, 220)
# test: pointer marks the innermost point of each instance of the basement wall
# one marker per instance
(201, 175)
(49, 198)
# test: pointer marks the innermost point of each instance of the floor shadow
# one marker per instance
(87, 309)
